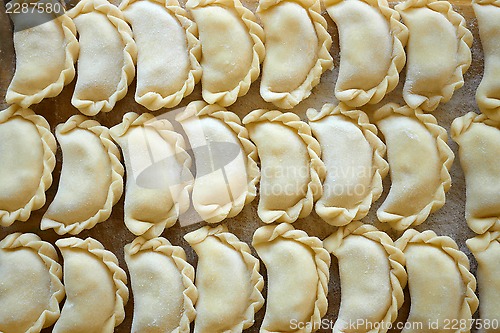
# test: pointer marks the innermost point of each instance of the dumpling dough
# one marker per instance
(27, 159)
(232, 48)
(419, 160)
(372, 277)
(158, 176)
(168, 51)
(353, 181)
(441, 286)
(45, 57)
(107, 56)
(488, 92)
(226, 167)
(228, 281)
(96, 288)
(481, 168)
(372, 44)
(91, 177)
(163, 286)
(486, 250)
(438, 52)
(291, 169)
(297, 50)
(298, 273)
(30, 284)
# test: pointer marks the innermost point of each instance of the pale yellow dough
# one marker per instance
(45, 57)
(488, 21)
(91, 180)
(372, 278)
(291, 168)
(486, 250)
(297, 50)
(353, 181)
(158, 177)
(232, 48)
(226, 167)
(228, 281)
(168, 54)
(163, 286)
(478, 139)
(27, 159)
(96, 288)
(30, 284)
(441, 286)
(438, 52)
(372, 44)
(298, 273)
(107, 56)
(419, 160)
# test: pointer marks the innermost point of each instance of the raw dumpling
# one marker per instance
(91, 180)
(168, 51)
(488, 92)
(353, 181)
(162, 284)
(419, 160)
(486, 250)
(226, 167)
(107, 56)
(228, 281)
(441, 286)
(372, 44)
(45, 56)
(372, 278)
(232, 48)
(438, 52)
(96, 288)
(297, 50)
(30, 284)
(298, 273)
(291, 169)
(158, 176)
(479, 150)
(27, 159)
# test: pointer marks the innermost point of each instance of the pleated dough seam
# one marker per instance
(49, 147)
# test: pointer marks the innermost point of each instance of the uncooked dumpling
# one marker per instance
(486, 250)
(228, 281)
(488, 22)
(419, 161)
(158, 176)
(298, 273)
(372, 278)
(30, 284)
(232, 48)
(91, 180)
(441, 286)
(438, 52)
(481, 167)
(107, 56)
(27, 159)
(163, 286)
(168, 51)
(353, 181)
(96, 288)
(372, 44)
(292, 171)
(45, 55)
(226, 168)
(297, 50)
